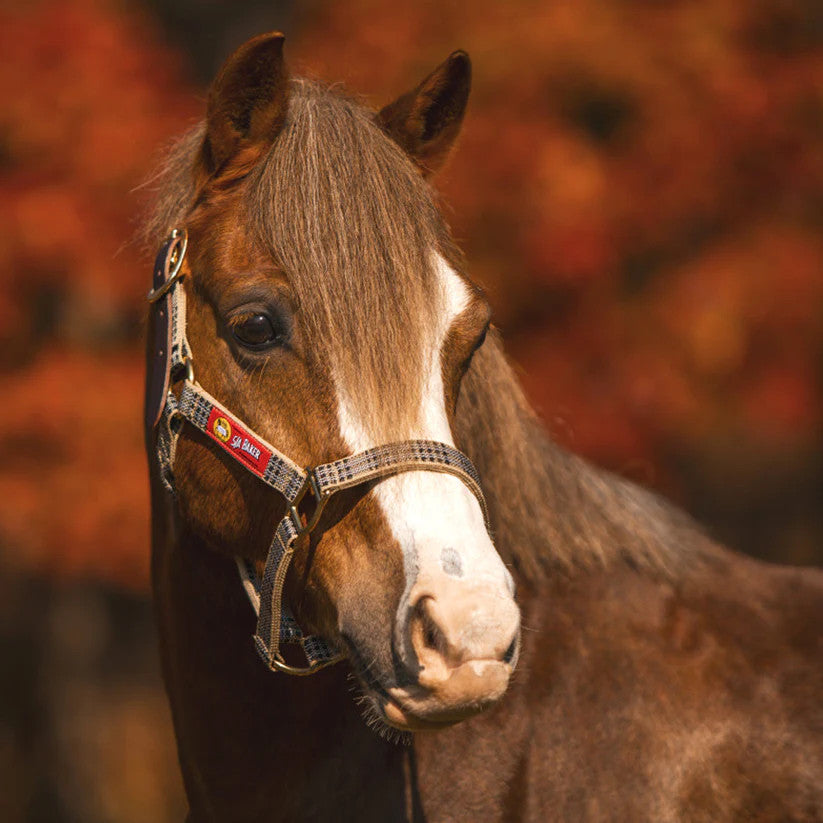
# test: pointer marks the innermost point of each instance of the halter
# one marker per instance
(171, 361)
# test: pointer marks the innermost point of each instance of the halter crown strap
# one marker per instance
(165, 354)
(165, 411)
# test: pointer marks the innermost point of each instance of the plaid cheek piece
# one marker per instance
(275, 623)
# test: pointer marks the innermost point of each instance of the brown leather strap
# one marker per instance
(157, 378)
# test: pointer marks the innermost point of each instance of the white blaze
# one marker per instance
(433, 516)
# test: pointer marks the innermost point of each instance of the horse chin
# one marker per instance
(396, 716)
(386, 711)
(416, 708)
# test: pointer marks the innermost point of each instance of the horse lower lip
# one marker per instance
(397, 716)
(394, 713)
(419, 718)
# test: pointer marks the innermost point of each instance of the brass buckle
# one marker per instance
(320, 503)
(183, 370)
(188, 364)
(176, 260)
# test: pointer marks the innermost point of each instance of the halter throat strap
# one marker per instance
(166, 411)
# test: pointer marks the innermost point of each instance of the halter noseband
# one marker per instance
(171, 360)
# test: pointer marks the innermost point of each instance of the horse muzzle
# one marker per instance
(460, 645)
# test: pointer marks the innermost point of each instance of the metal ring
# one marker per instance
(180, 249)
(320, 500)
(176, 258)
(297, 671)
(188, 364)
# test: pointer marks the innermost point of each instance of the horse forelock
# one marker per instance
(353, 224)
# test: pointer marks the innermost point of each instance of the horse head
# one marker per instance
(327, 308)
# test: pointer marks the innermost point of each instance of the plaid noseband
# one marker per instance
(171, 361)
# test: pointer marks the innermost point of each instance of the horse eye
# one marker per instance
(478, 343)
(256, 331)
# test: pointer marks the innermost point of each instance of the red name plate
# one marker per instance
(237, 441)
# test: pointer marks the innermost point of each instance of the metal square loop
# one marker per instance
(310, 486)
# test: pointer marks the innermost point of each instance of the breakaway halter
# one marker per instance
(165, 411)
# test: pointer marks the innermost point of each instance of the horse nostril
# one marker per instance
(432, 635)
(509, 654)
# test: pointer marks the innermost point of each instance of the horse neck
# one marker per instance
(244, 732)
(550, 509)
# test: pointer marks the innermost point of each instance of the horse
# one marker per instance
(565, 646)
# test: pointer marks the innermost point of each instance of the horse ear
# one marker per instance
(247, 101)
(425, 122)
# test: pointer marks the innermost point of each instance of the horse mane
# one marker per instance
(553, 511)
(361, 270)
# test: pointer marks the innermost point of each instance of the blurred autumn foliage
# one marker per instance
(89, 97)
(639, 186)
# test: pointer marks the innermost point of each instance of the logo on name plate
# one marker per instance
(222, 429)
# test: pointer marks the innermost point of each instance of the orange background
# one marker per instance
(638, 186)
